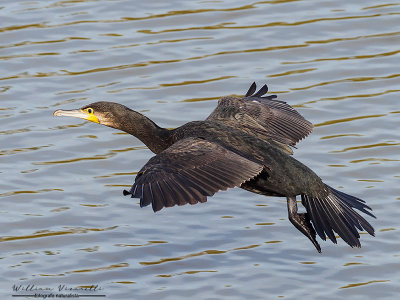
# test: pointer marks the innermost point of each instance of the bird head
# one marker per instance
(102, 112)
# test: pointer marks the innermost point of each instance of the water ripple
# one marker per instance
(352, 79)
(377, 145)
(352, 285)
(205, 252)
(47, 233)
(365, 56)
(225, 25)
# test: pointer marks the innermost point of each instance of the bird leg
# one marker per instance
(301, 221)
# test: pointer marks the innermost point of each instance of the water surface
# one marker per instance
(64, 220)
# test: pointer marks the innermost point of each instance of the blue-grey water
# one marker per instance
(64, 221)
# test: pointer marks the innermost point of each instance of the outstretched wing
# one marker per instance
(188, 172)
(262, 116)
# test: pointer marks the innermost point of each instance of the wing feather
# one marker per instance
(188, 172)
(262, 116)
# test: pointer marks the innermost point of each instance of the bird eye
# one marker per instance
(90, 110)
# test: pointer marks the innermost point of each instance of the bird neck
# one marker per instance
(154, 137)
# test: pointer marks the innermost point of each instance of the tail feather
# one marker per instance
(353, 201)
(335, 213)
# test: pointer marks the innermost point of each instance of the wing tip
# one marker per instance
(260, 93)
(251, 89)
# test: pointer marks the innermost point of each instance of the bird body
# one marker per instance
(245, 142)
(286, 175)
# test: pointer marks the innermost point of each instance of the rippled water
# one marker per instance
(64, 220)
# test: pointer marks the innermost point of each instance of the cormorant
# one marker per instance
(244, 142)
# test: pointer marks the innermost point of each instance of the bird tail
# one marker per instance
(335, 212)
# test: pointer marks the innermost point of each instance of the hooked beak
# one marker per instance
(77, 113)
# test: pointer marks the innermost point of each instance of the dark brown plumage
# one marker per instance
(244, 142)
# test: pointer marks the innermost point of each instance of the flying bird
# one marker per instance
(245, 142)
